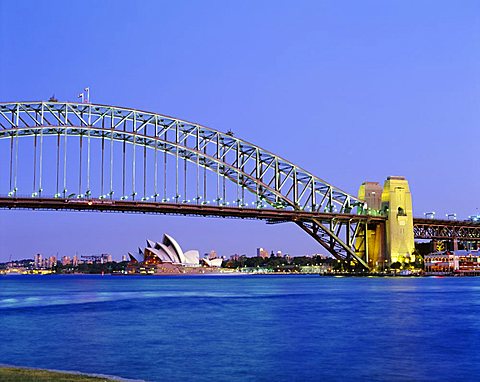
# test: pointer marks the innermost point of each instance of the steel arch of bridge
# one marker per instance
(276, 183)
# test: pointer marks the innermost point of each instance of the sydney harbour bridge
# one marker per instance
(89, 157)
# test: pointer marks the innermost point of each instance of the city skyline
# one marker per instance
(252, 252)
(389, 97)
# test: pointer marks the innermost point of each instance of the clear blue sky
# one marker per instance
(349, 90)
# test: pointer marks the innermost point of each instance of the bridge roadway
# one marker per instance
(423, 228)
(107, 205)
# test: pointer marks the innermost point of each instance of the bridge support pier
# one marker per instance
(397, 205)
(395, 243)
(374, 244)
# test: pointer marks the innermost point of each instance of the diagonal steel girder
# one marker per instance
(331, 241)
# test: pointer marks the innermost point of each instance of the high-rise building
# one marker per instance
(66, 260)
(75, 261)
(38, 261)
(104, 258)
(124, 257)
(212, 255)
(261, 252)
(52, 262)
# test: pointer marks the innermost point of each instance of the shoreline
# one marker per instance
(240, 274)
(93, 376)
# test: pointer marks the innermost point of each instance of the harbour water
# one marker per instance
(244, 328)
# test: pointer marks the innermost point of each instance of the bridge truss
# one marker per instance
(66, 155)
(431, 229)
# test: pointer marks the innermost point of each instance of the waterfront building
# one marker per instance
(168, 257)
(440, 262)
(213, 262)
(168, 251)
(75, 261)
(466, 262)
(212, 255)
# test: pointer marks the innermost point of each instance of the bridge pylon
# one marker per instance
(397, 206)
(394, 242)
(373, 245)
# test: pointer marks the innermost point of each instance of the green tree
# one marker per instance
(396, 265)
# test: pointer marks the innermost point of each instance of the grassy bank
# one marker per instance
(12, 374)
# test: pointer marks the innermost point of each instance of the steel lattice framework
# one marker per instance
(446, 230)
(129, 164)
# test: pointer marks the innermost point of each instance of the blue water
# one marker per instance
(244, 328)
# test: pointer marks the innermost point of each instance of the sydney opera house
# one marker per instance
(167, 257)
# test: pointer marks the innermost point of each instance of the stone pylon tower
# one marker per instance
(374, 243)
(393, 242)
(397, 206)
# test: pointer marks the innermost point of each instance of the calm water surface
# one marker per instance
(244, 328)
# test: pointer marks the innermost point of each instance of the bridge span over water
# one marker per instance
(89, 157)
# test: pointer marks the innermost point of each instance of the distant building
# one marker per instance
(319, 255)
(124, 257)
(38, 261)
(213, 262)
(95, 259)
(52, 262)
(212, 255)
(167, 257)
(168, 251)
(75, 261)
(105, 258)
(261, 252)
(66, 260)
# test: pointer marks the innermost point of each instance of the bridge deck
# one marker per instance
(107, 205)
(423, 228)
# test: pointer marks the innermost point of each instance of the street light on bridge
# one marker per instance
(451, 216)
(429, 215)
